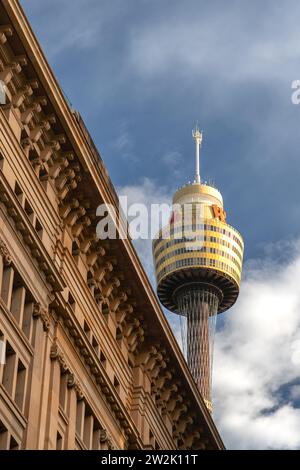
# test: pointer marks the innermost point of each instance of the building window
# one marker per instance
(9, 369)
(29, 211)
(7, 285)
(27, 316)
(87, 330)
(38, 228)
(96, 435)
(88, 427)
(17, 299)
(96, 346)
(116, 384)
(80, 412)
(19, 193)
(71, 301)
(102, 359)
(63, 388)
(3, 436)
(20, 385)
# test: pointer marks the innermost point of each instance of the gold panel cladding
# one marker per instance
(194, 189)
(199, 261)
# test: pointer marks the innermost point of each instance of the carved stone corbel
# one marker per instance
(5, 254)
(105, 438)
(5, 32)
(43, 314)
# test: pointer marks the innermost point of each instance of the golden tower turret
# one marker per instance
(198, 262)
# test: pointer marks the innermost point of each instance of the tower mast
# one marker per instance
(197, 134)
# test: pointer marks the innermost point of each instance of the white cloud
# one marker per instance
(254, 369)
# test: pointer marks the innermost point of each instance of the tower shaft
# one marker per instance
(199, 305)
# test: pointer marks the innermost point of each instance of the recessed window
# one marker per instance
(71, 301)
(95, 345)
(102, 359)
(87, 330)
(19, 192)
(20, 385)
(27, 315)
(9, 368)
(29, 210)
(88, 427)
(3, 436)
(116, 384)
(80, 413)
(96, 435)
(63, 387)
(38, 228)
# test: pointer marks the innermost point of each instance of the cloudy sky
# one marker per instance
(141, 72)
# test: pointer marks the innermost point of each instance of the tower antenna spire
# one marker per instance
(197, 134)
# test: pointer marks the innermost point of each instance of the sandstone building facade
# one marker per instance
(90, 360)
